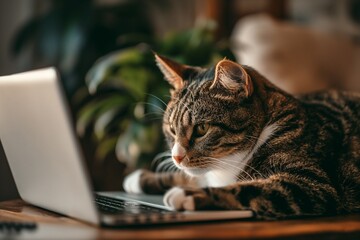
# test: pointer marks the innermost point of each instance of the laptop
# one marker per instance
(48, 167)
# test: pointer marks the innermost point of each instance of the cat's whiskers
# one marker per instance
(237, 177)
(232, 166)
(155, 106)
(240, 169)
(246, 165)
(156, 116)
(254, 169)
(152, 95)
(152, 117)
(221, 167)
(268, 145)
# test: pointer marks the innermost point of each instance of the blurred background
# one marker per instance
(103, 52)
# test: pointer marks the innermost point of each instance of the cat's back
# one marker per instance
(336, 117)
(334, 104)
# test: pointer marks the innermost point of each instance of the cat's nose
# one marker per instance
(178, 152)
(178, 159)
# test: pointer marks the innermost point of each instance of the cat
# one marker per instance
(240, 142)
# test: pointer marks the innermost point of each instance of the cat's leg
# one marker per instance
(280, 195)
(144, 181)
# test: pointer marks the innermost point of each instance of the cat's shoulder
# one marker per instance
(332, 105)
(331, 97)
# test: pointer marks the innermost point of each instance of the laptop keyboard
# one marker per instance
(116, 206)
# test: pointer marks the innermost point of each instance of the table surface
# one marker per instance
(51, 225)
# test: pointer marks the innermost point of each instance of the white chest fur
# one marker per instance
(228, 168)
(219, 178)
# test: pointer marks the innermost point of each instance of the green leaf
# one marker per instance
(101, 71)
(136, 140)
(103, 121)
(127, 151)
(94, 109)
(135, 80)
(147, 137)
(105, 147)
(155, 106)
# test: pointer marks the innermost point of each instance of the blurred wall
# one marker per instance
(12, 15)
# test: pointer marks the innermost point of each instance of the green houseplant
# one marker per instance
(72, 35)
(122, 107)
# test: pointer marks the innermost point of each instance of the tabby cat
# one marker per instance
(242, 143)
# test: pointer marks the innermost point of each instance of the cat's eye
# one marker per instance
(201, 129)
(172, 129)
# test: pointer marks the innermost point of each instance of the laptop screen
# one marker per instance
(40, 144)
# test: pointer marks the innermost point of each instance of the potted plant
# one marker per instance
(122, 106)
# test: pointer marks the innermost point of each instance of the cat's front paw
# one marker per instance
(131, 182)
(177, 199)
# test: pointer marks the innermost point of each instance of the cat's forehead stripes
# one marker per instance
(183, 124)
(183, 106)
(188, 119)
(172, 115)
(185, 112)
(181, 121)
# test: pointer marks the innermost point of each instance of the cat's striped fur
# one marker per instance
(262, 149)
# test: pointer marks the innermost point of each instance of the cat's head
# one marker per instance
(212, 117)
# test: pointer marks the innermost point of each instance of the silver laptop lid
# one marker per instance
(40, 145)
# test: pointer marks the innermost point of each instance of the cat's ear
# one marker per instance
(172, 71)
(233, 77)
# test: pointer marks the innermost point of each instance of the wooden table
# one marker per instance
(54, 226)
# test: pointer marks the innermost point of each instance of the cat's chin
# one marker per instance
(195, 171)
